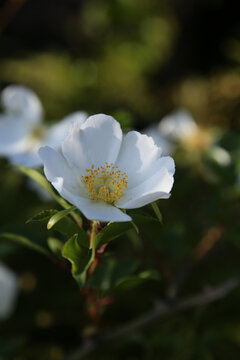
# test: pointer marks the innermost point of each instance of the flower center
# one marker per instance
(38, 132)
(36, 135)
(105, 183)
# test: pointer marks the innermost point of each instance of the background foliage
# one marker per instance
(136, 60)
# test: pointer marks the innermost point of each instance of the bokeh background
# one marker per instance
(138, 61)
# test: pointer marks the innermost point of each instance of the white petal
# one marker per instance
(161, 141)
(20, 101)
(93, 210)
(58, 132)
(9, 288)
(158, 186)
(144, 200)
(58, 171)
(138, 157)
(96, 210)
(177, 125)
(29, 159)
(97, 141)
(13, 135)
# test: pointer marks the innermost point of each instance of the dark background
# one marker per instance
(136, 60)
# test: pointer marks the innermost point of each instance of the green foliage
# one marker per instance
(111, 271)
(111, 232)
(42, 181)
(23, 241)
(58, 216)
(79, 256)
(157, 211)
(55, 245)
(132, 281)
(24, 235)
(64, 224)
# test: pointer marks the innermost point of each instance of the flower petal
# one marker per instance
(177, 125)
(28, 159)
(13, 135)
(58, 132)
(9, 288)
(138, 157)
(161, 141)
(96, 210)
(20, 101)
(97, 141)
(57, 169)
(156, 187)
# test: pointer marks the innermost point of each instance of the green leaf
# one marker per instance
(56, 246)
(79, 256)
(114, 230)
(65, 225)
(42, 181)
(135, 227)
(135, 280)
(58, 216)
(43, 216)
(140, 219)
(110, 271)
(23, 241)
(111, 232)
(157, 211)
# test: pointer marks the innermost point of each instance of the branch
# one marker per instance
(161, 311)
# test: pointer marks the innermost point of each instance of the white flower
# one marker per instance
(100, 171)
(9, 288)
(177, 125)
(21, 130)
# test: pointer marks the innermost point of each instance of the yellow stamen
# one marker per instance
(105, 183)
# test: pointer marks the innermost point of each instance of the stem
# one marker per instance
(93, 234)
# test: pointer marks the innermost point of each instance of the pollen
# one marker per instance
(105, 183)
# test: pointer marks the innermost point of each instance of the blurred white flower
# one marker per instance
(172, 129)
(100, 171)
(21, 130)
(161, 141)
(9, 287)
(177, 125)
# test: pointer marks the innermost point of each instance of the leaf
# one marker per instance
(79, 256)
(111, 232)
(23, 241)
(140, 219)
(65, 225)
(43, 216)
(114, 230)
(58, 216)
(42, 181)
(136, 280)
(111, 271)
(56, 246)
(157, 211)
